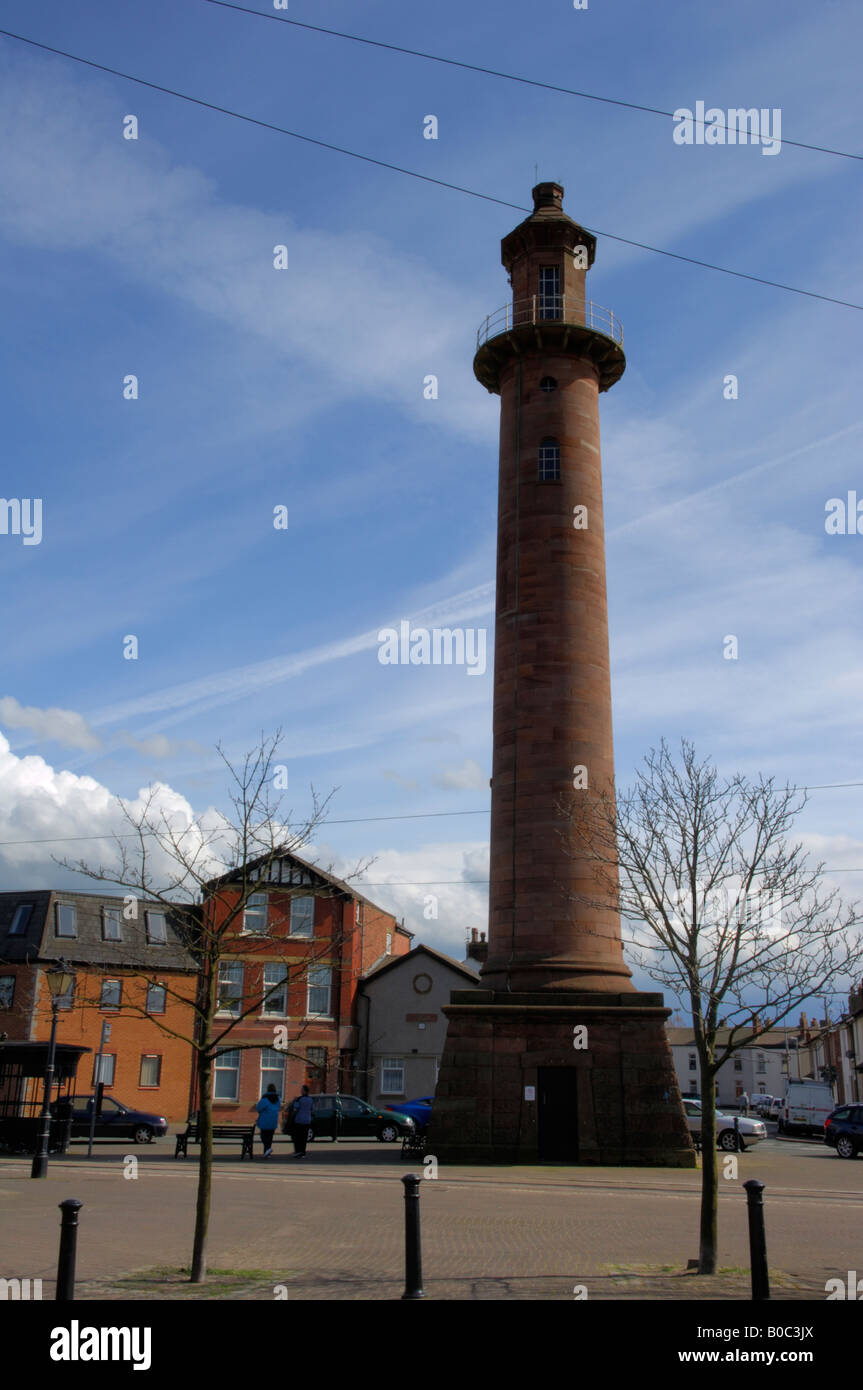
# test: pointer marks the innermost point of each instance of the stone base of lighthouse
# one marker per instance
(512, 1087)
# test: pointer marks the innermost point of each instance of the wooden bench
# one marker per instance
(245, 1134)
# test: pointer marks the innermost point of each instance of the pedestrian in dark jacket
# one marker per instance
(301, 1117)
(268, 1117)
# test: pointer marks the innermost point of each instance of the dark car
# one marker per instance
(348, 1117)
(115, 1121)
(418, 1110)
(843, 1130)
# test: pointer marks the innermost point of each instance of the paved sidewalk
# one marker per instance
(331, 1227)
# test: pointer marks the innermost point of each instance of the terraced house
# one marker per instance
(131, 970)
(289, 972)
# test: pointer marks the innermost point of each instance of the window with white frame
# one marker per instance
(255, 914)
(230, 988)
(359, 913)
(275, 1000)
(302, 916)
(156, 996)
(761, 1066)
(103, 1069)
(157, 929)
(111, 928)
(693, 1063)
(392, 1076)
(66, 923)
(151, 1069)
(226, 1075)
(111, 995)
(738, 1063)
(20, 918)
(272, 1070)
(389, 942)
(320, 982)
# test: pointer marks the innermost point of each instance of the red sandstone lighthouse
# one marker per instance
(512, 1085)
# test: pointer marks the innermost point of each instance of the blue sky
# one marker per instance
(304, 388)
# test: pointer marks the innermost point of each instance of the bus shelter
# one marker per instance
(22, 1087)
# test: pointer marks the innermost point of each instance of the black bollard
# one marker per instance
(413, 1248)
(757, 1242)
(68, 1249)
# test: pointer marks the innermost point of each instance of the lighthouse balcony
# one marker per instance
(550, 308)
(550, 322)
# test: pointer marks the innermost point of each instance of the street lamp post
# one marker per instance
(60, 981)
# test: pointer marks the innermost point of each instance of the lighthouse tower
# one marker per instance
(556, 1057)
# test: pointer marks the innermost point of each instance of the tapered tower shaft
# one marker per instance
(554, 1057)
(549, 354)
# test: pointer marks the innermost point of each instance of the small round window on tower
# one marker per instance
(548, 383)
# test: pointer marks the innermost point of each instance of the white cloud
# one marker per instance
(406, 782)
(465, 776)
(45, 812)
(158, 746)
(60, 725)
(449, 880)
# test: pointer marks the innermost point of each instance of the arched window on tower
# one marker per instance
(549, 461)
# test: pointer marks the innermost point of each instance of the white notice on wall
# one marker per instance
(530, 1093)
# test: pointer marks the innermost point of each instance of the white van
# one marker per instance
(805, 1107)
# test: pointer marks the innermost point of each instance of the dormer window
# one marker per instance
(157, 933)
(550, 303)
(66, 920)
(20, 919)
(549, 461)
(111, 928)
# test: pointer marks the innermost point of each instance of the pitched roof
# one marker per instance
(393, 962)
(39, 942)
(303, 878)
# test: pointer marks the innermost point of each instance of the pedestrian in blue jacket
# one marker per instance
(268, 1117)
(301, 1115)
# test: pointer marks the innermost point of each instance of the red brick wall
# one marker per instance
(340, 941)
(132, 1036)
(16, 1021)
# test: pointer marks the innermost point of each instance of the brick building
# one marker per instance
(131, 970)
(402, 1026)
(290, 967)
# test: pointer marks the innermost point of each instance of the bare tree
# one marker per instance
(203, 873)
(729, 914)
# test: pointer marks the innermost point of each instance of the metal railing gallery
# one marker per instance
(550, 308)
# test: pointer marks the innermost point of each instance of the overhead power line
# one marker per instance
(366, 820)
(495, 72)
(414, 174)
(133, 834)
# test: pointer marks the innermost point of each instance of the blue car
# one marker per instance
(419, 1110)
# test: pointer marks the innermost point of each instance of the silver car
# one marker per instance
(750, 1131)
